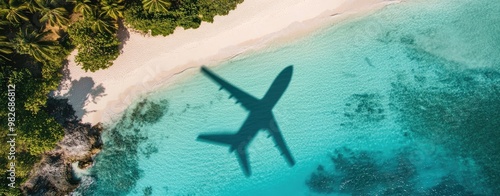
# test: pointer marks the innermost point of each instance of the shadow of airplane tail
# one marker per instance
(235, 142)
(221, 139)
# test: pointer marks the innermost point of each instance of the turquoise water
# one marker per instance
(405, 101)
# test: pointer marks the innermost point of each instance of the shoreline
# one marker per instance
(148, 63)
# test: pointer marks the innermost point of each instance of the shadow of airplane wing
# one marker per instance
(243, 159)
(279, 141)
(247, 101)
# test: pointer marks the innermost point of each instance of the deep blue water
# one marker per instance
(405, 101)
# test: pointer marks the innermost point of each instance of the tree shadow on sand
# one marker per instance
(122, 34)
(81, 92)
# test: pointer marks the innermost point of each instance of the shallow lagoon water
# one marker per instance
(405, 101)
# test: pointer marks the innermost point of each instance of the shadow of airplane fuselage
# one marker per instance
(259, 118)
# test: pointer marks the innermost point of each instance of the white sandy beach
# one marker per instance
(148, 62)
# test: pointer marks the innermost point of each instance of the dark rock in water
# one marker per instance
(54, 175)
(360, 171)
(448, 186)
(149, 149)
(398, 180)
(321, 181)
(149, 111)
(50, 177)
(365, 173)
(85, 164)
(364, 108)
(148, 191)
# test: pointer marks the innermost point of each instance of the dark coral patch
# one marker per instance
(365, 107)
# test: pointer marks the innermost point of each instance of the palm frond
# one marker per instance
(32, 43)
(153, 6)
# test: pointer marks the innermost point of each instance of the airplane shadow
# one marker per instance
(260, 117)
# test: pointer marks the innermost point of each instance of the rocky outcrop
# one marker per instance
(54, 174)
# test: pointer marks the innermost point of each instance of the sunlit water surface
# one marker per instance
(405, 101)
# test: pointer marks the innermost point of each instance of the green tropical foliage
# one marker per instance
(96, 47)
(30, 59)
(112, 8)
(161, 17)
(85, 7)
(152, 6)
(37, 132)
(5, 49)
(32, 43)
(14, 11)
(51, 13)
(102, 24)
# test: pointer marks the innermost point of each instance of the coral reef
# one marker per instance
(117, 170)
(367, 173)
(321, 181)
(364, 108)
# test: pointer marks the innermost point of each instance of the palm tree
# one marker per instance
(84, 7)
(112, 8)
(102, 24)
(5, 49)
(51, 13)
(5, 45)
(31, 5)
(27, 41)
(13, 11)
(156, 5)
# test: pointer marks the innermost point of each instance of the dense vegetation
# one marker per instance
(36, 36)
(31, 57)
(161, 17)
